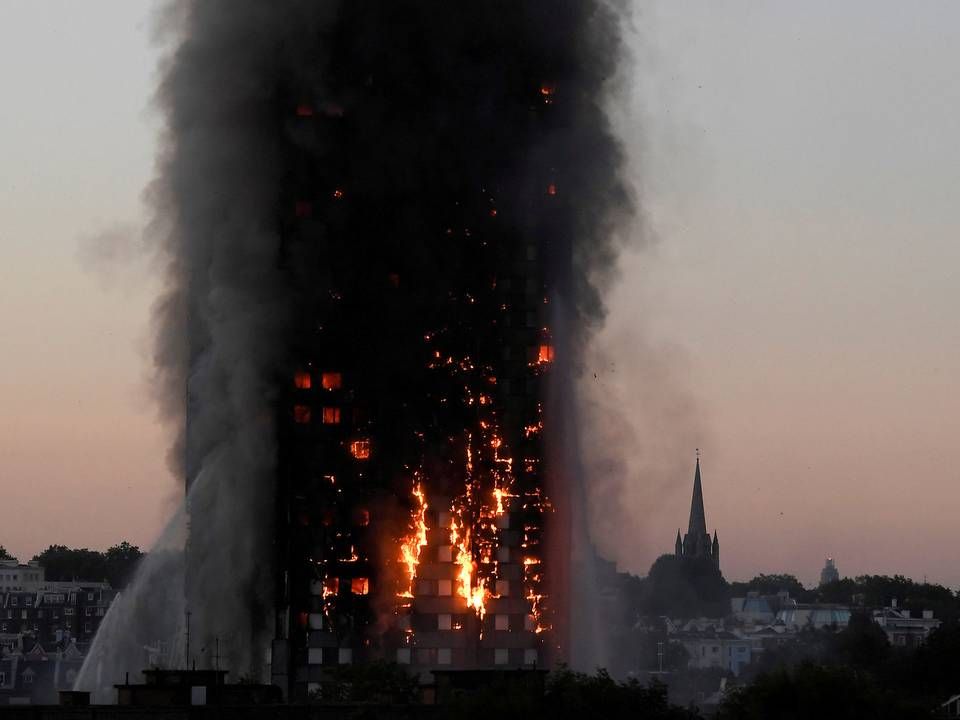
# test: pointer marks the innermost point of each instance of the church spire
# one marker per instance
(698, 520)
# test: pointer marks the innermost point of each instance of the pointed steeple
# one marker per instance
(678, 548)
(698, 520)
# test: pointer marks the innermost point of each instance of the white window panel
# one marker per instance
(444, 588)
(444, 621)
(501, 656)
(444, 656)
(345, 656)
(501, 622)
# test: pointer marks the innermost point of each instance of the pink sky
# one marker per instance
(793, 313)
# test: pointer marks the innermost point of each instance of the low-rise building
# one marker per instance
(715, 649)
(14, 575)
(56, 612)
(817, 616)
(44, 635)
(903, 628)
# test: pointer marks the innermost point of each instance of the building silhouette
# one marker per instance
(697, 543)
(829, 573)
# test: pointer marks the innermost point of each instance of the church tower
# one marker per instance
(697, 542)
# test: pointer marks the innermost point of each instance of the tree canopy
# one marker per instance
(116, 565)
(685, 587)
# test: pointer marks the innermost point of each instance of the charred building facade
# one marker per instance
(432, 188)
(412, 495)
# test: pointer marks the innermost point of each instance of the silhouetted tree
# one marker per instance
(771, 585)
(120, 562)
(685, 587)
(817, 691)
(115, 566)
(4, 555)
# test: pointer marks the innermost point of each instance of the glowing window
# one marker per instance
(301, 414)
(303, 619)
(362, 517)
(503, 588)
(444, 588)
(304, 110)
(360, 586)
(501, 622)
(360, 449)
(551, 189)
(445, 553)
(331, 586)
(529, 623)
(444, 621)
(331, 416)
(331, 380)
(545, 354)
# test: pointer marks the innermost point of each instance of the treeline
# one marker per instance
(866, 590)
(853, 673)
(116, 565)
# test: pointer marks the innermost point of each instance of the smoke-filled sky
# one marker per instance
(791, 313)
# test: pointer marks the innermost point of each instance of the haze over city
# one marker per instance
(788, 306)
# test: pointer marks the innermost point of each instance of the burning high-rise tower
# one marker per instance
(385, 225)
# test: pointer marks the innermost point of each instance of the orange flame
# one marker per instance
(412, 545)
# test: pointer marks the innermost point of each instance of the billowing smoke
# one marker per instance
(438, 130)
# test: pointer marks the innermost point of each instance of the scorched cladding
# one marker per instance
(393, 219)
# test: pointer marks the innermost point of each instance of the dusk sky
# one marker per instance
(787, 303)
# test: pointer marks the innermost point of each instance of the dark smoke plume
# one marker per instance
(444, 112)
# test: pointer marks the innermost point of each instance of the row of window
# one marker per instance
(303, 380)
(55, 613)
(450, 621)
(444, 588)
(48, 599)
(422, 656)
(444, 656)
(55, 633)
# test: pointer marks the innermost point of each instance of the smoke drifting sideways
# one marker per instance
(430, 91)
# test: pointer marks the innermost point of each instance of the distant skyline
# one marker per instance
(791, 313)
